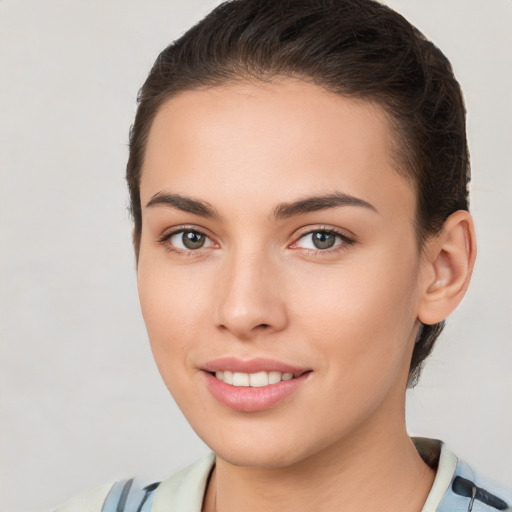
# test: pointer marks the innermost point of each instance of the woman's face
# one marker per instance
(278, 240)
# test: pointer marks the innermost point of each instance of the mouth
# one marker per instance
(254, 380)
(255, 385)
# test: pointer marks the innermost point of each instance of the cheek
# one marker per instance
(360, 315)
(174, 307)
(358, 328)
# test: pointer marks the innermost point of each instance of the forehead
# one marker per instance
(273, 142)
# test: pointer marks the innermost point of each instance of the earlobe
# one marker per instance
(448, 265)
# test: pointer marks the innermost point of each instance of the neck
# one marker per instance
(374, 469)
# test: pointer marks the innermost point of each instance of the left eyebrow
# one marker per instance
(317, 203)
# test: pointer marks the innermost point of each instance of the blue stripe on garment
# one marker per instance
(113, 499)
(126, 497)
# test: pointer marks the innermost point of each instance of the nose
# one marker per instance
(250, 300)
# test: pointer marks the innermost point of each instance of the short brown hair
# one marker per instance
(356, 48)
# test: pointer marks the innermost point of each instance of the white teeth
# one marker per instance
(274, 377)
(241, 379)
(255, 380)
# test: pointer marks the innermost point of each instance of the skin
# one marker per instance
(260, 288)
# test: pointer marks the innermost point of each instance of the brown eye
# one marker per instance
(323, 240)
(319, 240)
(192, 239)
(188, 240)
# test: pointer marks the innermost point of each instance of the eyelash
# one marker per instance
(166, 237)
(344, 241)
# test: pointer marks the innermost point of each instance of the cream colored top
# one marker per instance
(184, 491)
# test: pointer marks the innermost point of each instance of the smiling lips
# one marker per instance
(250, 386)
(254, 380)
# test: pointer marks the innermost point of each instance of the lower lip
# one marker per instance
(248, 399)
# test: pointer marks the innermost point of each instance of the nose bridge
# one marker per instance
(250, 300)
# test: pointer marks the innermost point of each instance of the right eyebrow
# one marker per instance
(183, 203)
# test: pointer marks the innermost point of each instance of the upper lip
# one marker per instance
(255, 365)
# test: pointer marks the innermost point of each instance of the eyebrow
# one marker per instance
(281, 211)
(186, 204)
(317, 203)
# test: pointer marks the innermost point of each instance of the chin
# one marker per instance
(256, 457)
(262, 448)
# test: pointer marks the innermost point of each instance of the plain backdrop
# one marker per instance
(81, 400)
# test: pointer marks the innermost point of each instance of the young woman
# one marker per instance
(298, 175)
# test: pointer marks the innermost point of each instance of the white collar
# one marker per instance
(447, 462)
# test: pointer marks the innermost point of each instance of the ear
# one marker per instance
(447, 267)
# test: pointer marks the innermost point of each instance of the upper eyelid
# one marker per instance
(167, 233)
(343, 233)
(346, 241)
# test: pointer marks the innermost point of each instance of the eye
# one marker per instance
(321, 240)
(187, 240)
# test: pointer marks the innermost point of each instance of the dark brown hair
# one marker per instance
(356, 48)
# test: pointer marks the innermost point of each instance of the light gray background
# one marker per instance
(81, 400)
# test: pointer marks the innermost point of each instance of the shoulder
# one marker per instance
(475, 492)
(184, 491)
(181, 492)
(458, 487)
(90, 501)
